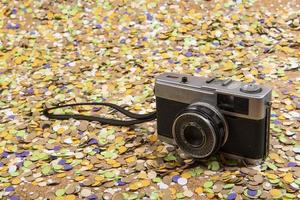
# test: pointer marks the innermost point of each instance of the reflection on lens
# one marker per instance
(194, 136)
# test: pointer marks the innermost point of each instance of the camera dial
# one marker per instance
(200, 130)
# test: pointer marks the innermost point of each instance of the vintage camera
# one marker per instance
(206, 115)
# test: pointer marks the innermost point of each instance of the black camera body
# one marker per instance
(207, 115)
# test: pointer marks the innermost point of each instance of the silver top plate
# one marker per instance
(193, 89)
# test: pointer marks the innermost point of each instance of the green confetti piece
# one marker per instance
(154, 195)
(14, 174)
(57, 167)
(290, 196)
(60, 192)
(180, 195)
(214, 166)
(108, 154)
(170, 157)
(271, 166)
(274, 181)
(228, 186)
(27, 163)
(46, 170)
(157, 180)
(208, 184)
(109, 174)
(196, 171)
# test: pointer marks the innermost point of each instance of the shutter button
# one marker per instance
(251, 88)
(184, 79)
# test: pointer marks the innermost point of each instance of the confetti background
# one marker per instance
(83, 51)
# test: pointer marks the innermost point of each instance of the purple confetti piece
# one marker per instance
(175, 178)
(56, 148)
(188, 54)
(294, 97)
(292, 164)
(123, 41)
(277, 122)
(121, 183)
(14, 11)
(170, 61)
(97, 150)
(67, 167)
(1, 164)
(14, 197)
(46, 66)
(231, 196)
(9, 189)
(98, 26)
(30, 91)
(92, 196)
(251, 192)
(4, 154)
(62, 162)
(13, 26)
(197, 70)
(149, 17)
(95, 109)
(92, 141)
(11, 116)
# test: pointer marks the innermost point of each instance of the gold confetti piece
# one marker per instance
(275, 193)
(16, 181)
(130, 159)
(199, 190)
(70, 197)
(153, 138)
(79, 178)
(186, 175)
(61, 175)
(272, 176)
(122, 149)
(288, 178)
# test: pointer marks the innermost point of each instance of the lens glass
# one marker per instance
(194, 136)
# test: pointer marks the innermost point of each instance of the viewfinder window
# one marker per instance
(233, 104)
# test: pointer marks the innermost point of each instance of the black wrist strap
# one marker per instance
(137, 118)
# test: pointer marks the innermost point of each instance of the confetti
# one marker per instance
(54, 53)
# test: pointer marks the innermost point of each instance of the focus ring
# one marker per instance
(212, 123)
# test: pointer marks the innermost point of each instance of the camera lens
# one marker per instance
(194, 135)
(200, 130)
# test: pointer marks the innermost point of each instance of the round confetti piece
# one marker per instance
(188, 193)
(182, 181)
(175, 178)
(14, 197)
(288, 178)
(276, 193)
(208, 184)
(180, 195)
(60, 192)
(199, 190)
(231, 196)
(85, 192)
(70, 197)
(109, 174)
(15, 181)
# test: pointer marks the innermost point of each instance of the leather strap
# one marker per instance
(137, 118)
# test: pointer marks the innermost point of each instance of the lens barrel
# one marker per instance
(200, 130)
